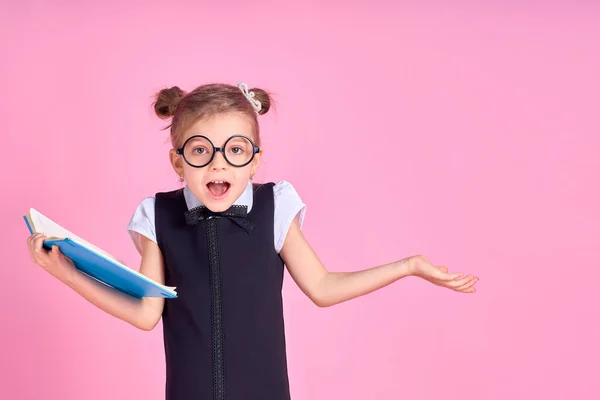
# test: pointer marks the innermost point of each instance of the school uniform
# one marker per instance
(224, 335)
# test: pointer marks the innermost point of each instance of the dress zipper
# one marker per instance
(216, 309)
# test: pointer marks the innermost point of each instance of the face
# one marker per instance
(219, 184)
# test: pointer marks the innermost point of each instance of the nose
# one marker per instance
(218, 162)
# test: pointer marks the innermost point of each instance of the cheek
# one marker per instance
(194, 174)
(244, 173)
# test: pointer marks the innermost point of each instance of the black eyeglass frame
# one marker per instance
(255, 150)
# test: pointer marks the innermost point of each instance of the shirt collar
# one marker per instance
(245, 198)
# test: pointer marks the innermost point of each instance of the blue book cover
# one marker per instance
(94, 262)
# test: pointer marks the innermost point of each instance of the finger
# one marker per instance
(467, 282)
(38, 250)
(56, 253)
(30, 247)
(468, 288)
(60, 256)
(446, 277)
(31, 240)
(467, 285)
(442, 268)
(38, 242)
(31, 244)
(457, 282)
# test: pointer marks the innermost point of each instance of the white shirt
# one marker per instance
(288, 205)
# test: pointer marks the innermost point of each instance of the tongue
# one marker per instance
(218, 189)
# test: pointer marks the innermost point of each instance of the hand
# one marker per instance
(438, 275)
(53, 261)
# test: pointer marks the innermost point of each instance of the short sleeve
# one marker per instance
(142, 223)
(288, 205)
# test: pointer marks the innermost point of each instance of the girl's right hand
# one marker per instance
(53, 261)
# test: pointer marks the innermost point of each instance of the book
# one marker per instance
(95, 262)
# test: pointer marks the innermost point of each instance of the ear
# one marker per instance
(176, 162)
(256, 162)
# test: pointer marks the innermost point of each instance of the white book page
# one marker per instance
(52, 230)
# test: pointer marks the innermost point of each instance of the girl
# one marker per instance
(224, 242)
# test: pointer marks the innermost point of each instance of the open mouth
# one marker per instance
(218, 189)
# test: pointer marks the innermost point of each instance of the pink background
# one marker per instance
(466, 132)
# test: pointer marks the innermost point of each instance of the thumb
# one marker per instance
(61, 257)
(442, 268)
(57, 253)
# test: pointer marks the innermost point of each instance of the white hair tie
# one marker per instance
(250, 96)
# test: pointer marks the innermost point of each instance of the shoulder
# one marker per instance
(142, 222)
(286, 195)
(288, 206)
(145, 205)
(283, 188)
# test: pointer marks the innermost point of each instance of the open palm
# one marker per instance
(438, 275)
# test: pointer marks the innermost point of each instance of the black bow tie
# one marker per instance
(236, 213)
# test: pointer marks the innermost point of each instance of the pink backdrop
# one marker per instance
(468, 133)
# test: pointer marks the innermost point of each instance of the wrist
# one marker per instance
(412, 265)
(405, 267)
(69, 277)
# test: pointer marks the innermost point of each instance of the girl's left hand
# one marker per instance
(438, 275)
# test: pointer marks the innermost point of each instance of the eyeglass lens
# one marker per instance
(199, 151)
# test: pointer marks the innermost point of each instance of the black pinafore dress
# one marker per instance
(224, 335)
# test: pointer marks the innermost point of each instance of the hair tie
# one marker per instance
(250, 96)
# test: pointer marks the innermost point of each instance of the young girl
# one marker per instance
(224, 242)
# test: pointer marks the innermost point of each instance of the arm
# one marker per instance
(326, 288)
(142, 313)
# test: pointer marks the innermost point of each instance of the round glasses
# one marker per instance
(198, 151)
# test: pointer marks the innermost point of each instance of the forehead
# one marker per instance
(220, 127)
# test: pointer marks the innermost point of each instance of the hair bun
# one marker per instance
(264, 98)
(167, 101)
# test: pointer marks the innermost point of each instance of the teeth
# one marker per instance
(218, 182)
